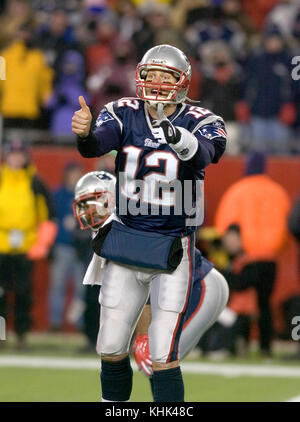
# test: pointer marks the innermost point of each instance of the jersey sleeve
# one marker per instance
(212, 137)
(210, 133)
(105, 136)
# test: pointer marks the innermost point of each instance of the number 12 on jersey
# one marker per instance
(149, 185)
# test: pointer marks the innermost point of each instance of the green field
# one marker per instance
(231, 380)
(54, 385)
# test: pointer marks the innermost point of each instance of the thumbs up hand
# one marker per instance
(82, 119)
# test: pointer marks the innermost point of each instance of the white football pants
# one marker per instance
(123, 294)
(212, 301)
(125, 291)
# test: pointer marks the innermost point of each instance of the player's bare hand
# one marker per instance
(82, 119)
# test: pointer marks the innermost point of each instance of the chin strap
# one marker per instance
(193, 101)
(160, 112)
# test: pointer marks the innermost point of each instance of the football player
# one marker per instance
(163, 147)
(93, 204)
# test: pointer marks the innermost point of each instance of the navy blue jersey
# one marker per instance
(202, 268)
(126, 126)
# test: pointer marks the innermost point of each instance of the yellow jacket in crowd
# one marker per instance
(28, 83)
(26, 210)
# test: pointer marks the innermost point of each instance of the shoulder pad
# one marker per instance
(132, 103)
(117, 109)
(201, 116)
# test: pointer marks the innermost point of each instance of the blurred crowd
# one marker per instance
(241, 53)
(250, 231)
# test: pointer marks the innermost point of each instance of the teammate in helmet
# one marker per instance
(94, 199)
(209, 288)
(163, 147)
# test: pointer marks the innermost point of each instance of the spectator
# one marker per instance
(27, 231)
(221, 85)
(233, 10)
(157, 29)
(216, 28)
(28, 83)
(129, 19)
(268, 99)
(259, 206)
(70, 83)
(56, 37)
(243, 296)
(99, 53)
(187, 12)
(233, 324)
(16, 14)
(283, 17)
(68, 263)
(114, 80)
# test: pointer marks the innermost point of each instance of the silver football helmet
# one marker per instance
(170, 59)
(94, 199)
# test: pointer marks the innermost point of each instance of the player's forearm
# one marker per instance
(203, 156)
(207, 153)
(88, 146)
(98, 143)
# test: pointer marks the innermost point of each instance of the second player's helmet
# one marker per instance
(94, 199)
(168, 58)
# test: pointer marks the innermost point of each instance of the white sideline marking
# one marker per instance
(49, 362)
(237, 370)
(294, 399)
(227, 370)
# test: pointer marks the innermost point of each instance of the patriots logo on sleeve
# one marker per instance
(213, 130)
(103, 117)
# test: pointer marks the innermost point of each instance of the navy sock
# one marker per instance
(168, 385)
(116, 380)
